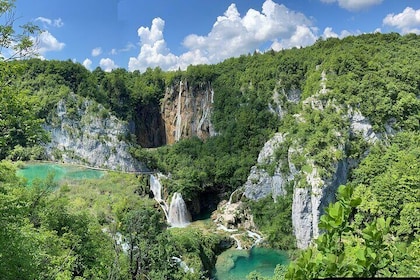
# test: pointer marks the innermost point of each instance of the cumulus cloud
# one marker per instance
(153, 51)
(239, 35)
(408, 21)
(107, 64)
(50, 22)
(96, 51)
(354, 5)
(46, 42)
(329, 33)
(87, 63)
(231, 35)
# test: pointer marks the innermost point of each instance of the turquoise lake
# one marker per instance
(237, 264)
(60, 172)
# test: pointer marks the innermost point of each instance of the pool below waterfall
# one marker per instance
(61, 172)
(237, 264)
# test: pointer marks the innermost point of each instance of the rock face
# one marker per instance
(186, 112)
(149, 126)
(260, 183)
(359, 124)
(311, 192)
(309, 203)
(233, 216)
(183, 112)
(87, 134)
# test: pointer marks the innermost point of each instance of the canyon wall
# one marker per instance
(183, 112)
(186, 111)
(84, 132)
(312, 192)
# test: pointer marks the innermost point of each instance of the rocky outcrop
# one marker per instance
(186, 111)
(360, 125)
(233, 216)
(309, 202)
(311, 191)
(277, 105)
(85, 133)
(260, 182)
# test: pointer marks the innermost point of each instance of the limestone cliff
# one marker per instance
(260, 183)
(312, 192)
(186, 111)
(149, 126)
(309, 202)
(84, 132)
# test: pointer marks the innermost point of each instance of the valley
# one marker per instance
(311, 152)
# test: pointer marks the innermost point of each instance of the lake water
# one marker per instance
(237, 264)
(61, 172)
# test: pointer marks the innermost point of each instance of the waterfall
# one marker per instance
(178, 215)
(257, 238)
(178, 129)
(232, 194)
(183, 265)
(238, 242)
(156, 189)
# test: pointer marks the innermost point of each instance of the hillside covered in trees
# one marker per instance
(310, 95)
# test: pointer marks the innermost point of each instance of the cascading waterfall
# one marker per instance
(178, 123)
(178, 215)
(238, 242)
(257, 238)
(156, 189)
(232, 194)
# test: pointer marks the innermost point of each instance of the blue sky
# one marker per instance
(172, 34)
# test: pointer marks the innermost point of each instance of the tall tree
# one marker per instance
(18, 122)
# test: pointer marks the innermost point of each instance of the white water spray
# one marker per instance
(178, 215)
(156, 189)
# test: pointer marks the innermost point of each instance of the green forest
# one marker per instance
(72, 230)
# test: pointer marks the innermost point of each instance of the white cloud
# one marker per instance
(127, 48)
(96, 51)
(231, 35)
(46, 42)
(303, 36)
(153, 51)
(329, 33)
(275, 23)
(354, 5)
(107, 64)
(50, 22)
(407, 21)
(87, 63)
